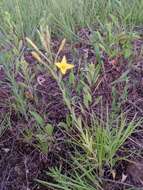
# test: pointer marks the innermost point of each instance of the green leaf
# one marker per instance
(71, 78)
(87, 98)
(37, 118)
(41, 138)
(127, 53)
(49, 129)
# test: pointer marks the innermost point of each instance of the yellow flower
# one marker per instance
(64, 66)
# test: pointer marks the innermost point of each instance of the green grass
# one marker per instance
(99, 139)
(65, 16)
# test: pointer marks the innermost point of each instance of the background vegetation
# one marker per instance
(94, 117)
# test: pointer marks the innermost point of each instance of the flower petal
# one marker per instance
(58, 64)
(69, 66)
(63, 71)
(64, 60)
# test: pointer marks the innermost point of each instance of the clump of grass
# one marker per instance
(81, 178)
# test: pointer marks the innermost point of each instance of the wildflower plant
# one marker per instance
(96, 131)
(98, 140)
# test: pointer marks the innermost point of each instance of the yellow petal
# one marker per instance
(58, 64)
(69, 66)
(63, 71)
(64, 60)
